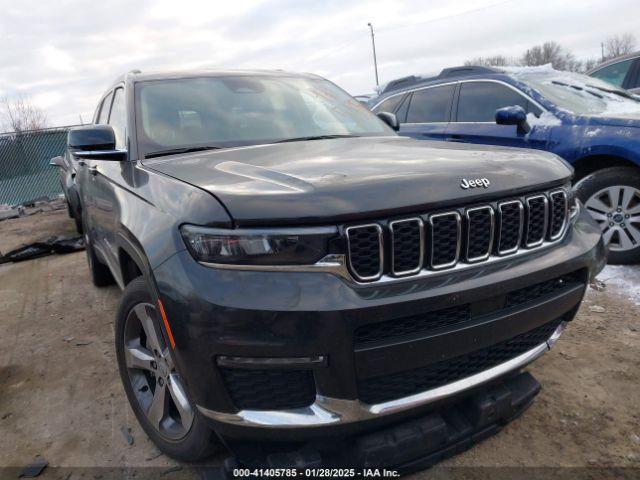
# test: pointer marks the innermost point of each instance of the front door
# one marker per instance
(475, 113)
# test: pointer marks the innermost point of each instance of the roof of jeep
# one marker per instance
(139, 76)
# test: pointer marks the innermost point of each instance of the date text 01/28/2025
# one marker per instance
(315, 473)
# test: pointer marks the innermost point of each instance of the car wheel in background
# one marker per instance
(154, 388)
(612, 197)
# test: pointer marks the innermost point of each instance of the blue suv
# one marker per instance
(591, 124)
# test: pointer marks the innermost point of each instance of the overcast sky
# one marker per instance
(63, 54)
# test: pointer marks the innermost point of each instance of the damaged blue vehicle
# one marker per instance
(589, 123)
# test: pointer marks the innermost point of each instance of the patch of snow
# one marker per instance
(516, 70)
(547, 119)
(622, 280)
(592, 133)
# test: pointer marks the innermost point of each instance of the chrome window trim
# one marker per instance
(508, 85)
(565, 219)
(520, 230)
(458, 239)
(404, 92)
(380, 252)
(545, 223)
(421, 246)
(491, 233)
(328, 411)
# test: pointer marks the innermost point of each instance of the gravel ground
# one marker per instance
(61, 398)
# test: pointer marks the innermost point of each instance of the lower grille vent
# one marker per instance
(269, 389)
(398, 385)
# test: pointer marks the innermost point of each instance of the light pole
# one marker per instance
(375, 61)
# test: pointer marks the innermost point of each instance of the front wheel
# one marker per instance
(155, 390)
(612, 197)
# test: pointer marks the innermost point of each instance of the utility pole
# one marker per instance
(375, 60)
(602, 50)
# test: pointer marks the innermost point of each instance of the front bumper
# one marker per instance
(327, 411)
(293, 316)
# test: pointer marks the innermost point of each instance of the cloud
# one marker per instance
(65, 53)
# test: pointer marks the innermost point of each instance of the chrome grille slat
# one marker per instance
(434, 243)
(480, 232)
(558, 213)
(511, 221)
(403, 235)
(441, 230)
(366, 249)
(537, 218)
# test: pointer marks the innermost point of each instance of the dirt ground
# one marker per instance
(61, 397)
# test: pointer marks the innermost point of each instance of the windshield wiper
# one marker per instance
(313, 137)
(620, 93)
(175, 151)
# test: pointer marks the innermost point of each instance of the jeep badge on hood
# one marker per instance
(475, 183)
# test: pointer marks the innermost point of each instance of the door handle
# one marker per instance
(93, 169)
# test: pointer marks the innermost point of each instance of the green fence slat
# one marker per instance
(25, 173)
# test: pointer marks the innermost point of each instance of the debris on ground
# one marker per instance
(598, 285)
(596, 309)
(68, 339)
(566, 355)
(177, 468)
(83, 344)
(6, 415)
(34, 469)
(7, 214)
(58, 244)
(153, 457)
(126, 433)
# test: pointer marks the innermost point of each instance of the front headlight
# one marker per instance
(286, 246)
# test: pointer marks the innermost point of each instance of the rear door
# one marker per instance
(428, 112)
(474, 116)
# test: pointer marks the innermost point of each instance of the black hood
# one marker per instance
(355, 178)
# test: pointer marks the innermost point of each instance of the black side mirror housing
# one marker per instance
(94, 142)
(514, 115)
(390, 119)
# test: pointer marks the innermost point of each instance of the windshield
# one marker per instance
(230, 111)
(582, 95)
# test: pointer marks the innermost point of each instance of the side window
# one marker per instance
(431, 105)
(104, 110)
(389, 105)
(615, 73)
(479, 101)
(117, 118)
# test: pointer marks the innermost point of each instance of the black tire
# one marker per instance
(589, 186)
(100, 273)
(78, 221)
(200, 442)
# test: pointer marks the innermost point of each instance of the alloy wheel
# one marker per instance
(157, 386)
(617, 211)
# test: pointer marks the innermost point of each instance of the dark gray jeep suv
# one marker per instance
(293, 270)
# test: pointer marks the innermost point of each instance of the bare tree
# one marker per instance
(493, 61)
(553, 53)
(618, 45)
(20, 114)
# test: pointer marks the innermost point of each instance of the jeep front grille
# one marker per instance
(442, 240)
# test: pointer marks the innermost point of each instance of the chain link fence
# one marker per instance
(25, 173)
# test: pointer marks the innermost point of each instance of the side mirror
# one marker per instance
(390, 119)
(513, 116)
(56, 162)
(94, 142)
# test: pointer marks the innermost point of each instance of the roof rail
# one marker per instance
(450, 72)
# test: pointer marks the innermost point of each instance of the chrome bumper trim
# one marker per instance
(330, 411)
